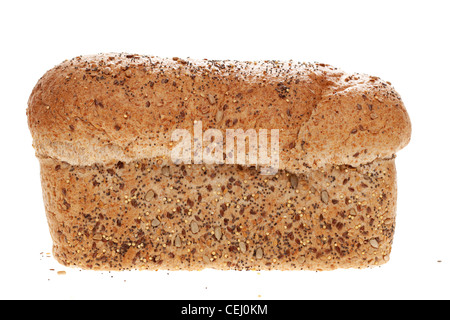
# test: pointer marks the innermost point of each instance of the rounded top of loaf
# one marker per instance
(124, 107)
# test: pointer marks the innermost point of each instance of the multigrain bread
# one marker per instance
(102, 126)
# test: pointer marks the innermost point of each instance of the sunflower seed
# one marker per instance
(206, 259)
(218, 233)
(177, 241)
(211, 99)
(165, 171)
(388, 222)
(149, 195)
(204, 109)
(373, 116)
(324, 196)
(259, 253)
(294, 181)
(374, 243)
(352, 212)
(194, 227)
(97, 237)
(219, 116)
(243, 247)
(155, 222)
(301, 259)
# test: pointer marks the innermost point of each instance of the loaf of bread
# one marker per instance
(102, 129)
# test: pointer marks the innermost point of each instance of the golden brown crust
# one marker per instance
(134, 216)
(110, 107)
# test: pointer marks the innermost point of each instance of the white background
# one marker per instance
(404, 42)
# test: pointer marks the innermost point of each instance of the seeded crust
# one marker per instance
(101, 128)
(191, 217)
(118, 107)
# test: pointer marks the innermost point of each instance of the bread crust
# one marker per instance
(111, 107)
(102, 126)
